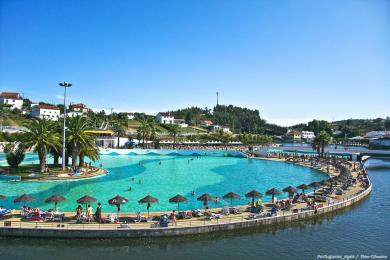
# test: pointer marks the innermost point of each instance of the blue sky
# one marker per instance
(293, 60)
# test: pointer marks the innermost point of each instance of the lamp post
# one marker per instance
(64, 85)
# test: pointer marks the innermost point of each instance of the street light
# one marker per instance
(64, 85)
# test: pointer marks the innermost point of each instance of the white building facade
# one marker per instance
(307, 135)
(46, 111)
(14, 100)
(165, 118)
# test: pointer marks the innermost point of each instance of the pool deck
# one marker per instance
(15, 226)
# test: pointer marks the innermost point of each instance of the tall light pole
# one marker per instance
(64, 85)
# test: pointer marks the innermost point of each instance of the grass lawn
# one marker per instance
(25, 170)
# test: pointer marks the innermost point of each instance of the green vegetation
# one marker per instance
(320, 142)
(14, 156)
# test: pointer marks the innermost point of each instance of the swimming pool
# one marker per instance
(163, 177)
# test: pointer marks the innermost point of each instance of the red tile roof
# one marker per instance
(11, 95)
(48, 107)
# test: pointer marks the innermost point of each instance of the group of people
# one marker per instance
(89, 216)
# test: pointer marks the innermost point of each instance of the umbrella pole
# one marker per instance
(178, 206)
(231, 202)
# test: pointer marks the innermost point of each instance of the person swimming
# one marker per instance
(193, 193)
(130, 188)
(160, 163)
(132, 179)
(139, 182)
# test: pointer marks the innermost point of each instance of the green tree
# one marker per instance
(173, 131)
(14, 158)
(77, 137)
(40, 136)
(321, 141)
(119, 127)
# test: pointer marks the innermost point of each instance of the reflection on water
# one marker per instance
(361, 229)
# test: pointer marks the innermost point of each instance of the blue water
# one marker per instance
(163, 177)
(362, 229)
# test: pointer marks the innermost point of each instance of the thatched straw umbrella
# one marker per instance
(205, 198)
(148, 200)
(86, 200)
(118, 201)
(253, 194)
(273, 192)
(290, 190)
(24, 198)
(55, 199)
(303, 187)
(232, 196)
(315, 185)
(178, 199)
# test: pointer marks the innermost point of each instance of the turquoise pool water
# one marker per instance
(163, 177)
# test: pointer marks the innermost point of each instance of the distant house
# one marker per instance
(181, 122)
(130, 116)
(79, 107)
(294, 135)
(381, 143)
(46, 111)
(165, 118)
(307, 135)
(14, 100)
(74, 114)
(206, 123)
(376, 134)
(217, 128)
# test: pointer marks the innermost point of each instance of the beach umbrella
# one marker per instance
(253, 194)
(86, 200)
(24, 198)
(178, 199)
(273, 192)
(118, 201)
(303, 187)
(315, 185)
(148, 200)
(55, 199)
(2, 197)
(290, 190)
(205, 198)
(232, 196)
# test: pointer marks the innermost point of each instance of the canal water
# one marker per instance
(363, 229)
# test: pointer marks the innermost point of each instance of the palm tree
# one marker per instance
(91, 151)
(40, 136)
(324, 141)
(119, 128)
(143, 131)
(320, 142)
(77, 137)
(173, 131)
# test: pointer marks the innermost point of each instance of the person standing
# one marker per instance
(98, 213)
(89, 213)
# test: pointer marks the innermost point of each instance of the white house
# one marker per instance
(79, 107)
(206, 123)
(45, 111)
(165, 118)
(130, 116)
(74, 114)
(216, 128)
(181, 122)
(15, 100)
(307, 135)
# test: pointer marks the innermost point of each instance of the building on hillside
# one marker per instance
(130, 115)
(307, 136)
(376, 134)
(14, 100)
(165, 118)
(217, 128)
(206, 123)
(293, 135)
(74, 114)
(46, 111)
(380, 143)
(181, 122)
(103, 138)
(79, 107)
